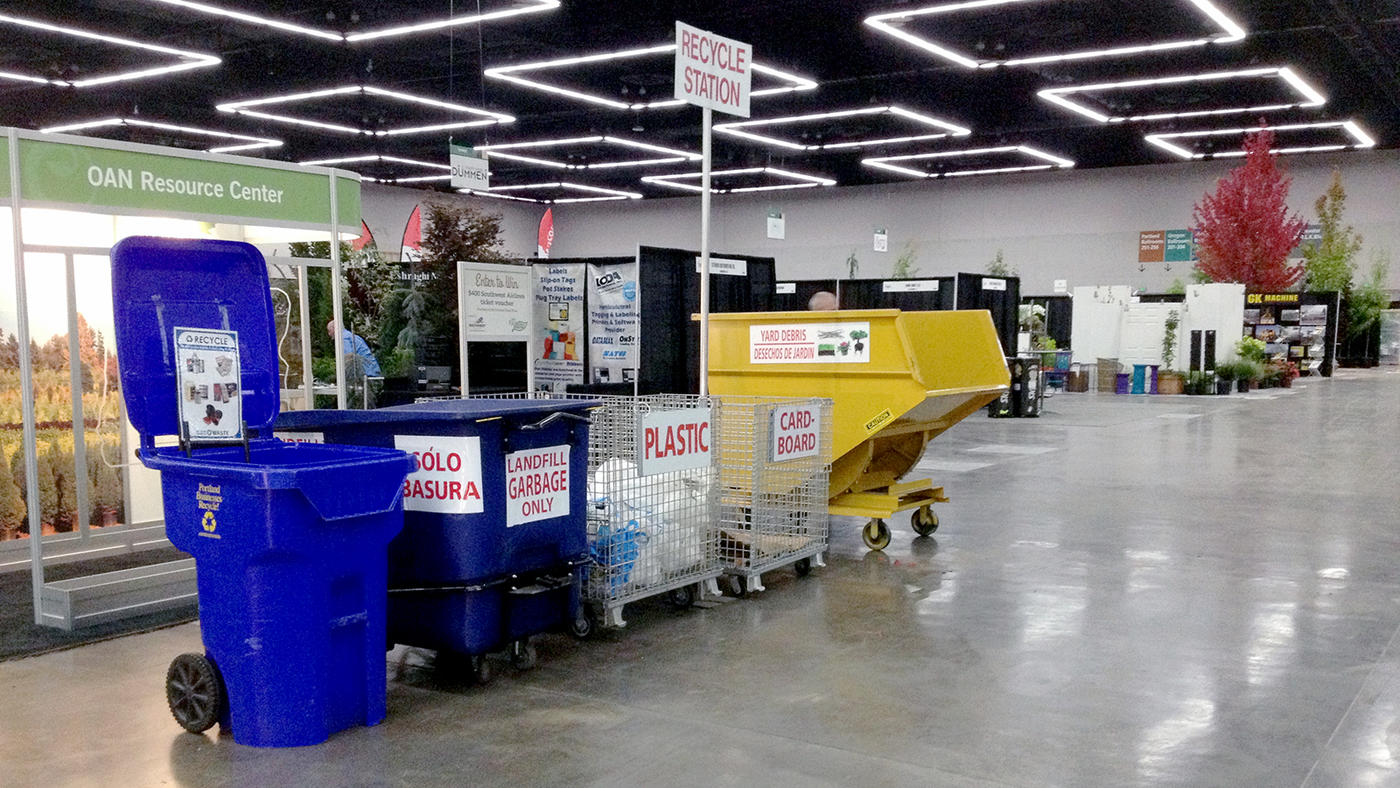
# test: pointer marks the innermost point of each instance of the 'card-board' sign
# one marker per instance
(448, 474)
(537, 484)
(674, 440)
(796, 431)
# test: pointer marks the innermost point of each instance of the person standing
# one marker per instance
(354, 345)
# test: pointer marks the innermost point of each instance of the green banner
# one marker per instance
(114, 180)
(4, 168)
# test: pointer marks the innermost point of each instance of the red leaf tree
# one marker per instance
(1243, 231)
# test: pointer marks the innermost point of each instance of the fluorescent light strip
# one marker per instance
(330, 35)
(192, 59)
(803, 181)
(609, 194)
(498, 151)
(735, 128)
(488, 117)
(508, 74)
(1054, 162)
(374, 157)
(249, 143)
(888, 23)
(1361, 139)
(1311, 97)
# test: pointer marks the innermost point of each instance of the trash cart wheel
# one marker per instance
(681, 598)
(523, 655)
(482, 672)
(739, 586)
(924, 520)
(195, 692)
(802, 566)
(876, 535)
(582, 626)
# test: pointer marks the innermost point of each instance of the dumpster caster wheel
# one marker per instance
(522, 655)
(924, 520)
(681, 598)
(802, 566)
(195, 692)
(482, 672)
(739, 586)
(876, 535)
(582, 626)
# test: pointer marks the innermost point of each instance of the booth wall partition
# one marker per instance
(792, 296)
(908, 295)
(670, 294)
(1000, 295)
(1059, 313)
(65, 439)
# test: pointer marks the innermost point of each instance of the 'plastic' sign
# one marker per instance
(537, 484)
(796, 432)
(674, 440)
(448, 476)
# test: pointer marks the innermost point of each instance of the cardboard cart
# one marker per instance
(289, 541)
(494, 543)
(896, 380)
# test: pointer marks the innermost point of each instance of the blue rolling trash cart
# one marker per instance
(494, 546)
(289, 541)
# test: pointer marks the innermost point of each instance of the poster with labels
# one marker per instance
(556, 344)
(613, 323)
(207, 373)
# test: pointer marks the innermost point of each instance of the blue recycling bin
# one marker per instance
(495, 525)
(289, 540)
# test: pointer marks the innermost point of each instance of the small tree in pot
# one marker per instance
(1168, 380)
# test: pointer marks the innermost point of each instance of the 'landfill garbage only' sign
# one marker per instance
(796, 431)
(537, 484)
(674, 440)
(207, 371)
(810, 343)
(713, 71)
(448, 474)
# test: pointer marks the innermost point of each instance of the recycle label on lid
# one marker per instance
(207, 374)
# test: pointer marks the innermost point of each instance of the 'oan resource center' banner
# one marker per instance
(556, 345)
(613, 322)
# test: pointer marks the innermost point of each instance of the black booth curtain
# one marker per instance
(1003, 302)
(803, 291)
(669, 292)
(870, 294)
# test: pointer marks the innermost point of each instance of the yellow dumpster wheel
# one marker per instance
(924, 521)
(876, 534)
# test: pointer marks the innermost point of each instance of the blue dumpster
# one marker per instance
(495, 528)
(289, 540)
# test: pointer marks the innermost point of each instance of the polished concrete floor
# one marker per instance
(1127, 591)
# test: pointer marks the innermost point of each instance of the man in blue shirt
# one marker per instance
(355, 345)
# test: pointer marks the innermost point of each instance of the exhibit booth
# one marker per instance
(66, 442)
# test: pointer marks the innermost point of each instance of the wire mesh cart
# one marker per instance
(896, 380)
(652, 507)
(774, 464)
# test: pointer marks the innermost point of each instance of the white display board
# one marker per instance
(1217, 307)
(494, 302)
(1096, 321)
(614, 322)
(556, 334)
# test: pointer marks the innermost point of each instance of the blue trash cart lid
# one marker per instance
(161, 283)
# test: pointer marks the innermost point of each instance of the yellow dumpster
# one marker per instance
(896, 380)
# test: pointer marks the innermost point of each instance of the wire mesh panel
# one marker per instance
(651, 506)
(774, 461)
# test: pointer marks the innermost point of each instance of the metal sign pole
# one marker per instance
(337, 301)
(462, 350)
(26, 389)
(705, 252)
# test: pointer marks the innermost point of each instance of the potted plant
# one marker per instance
(1283, 372)
(1168, 380)
(1198, 382)
(1225, 376)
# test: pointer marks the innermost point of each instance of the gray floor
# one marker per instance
(1164, 591)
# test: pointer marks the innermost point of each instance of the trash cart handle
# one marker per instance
(553, 417)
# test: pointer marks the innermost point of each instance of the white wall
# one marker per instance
(1076, 225)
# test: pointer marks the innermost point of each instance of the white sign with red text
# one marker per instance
(448, 474)
(809, 343)
(713, 71)
(796, 431)
(300, 437)
(537, 484)
(674, 440)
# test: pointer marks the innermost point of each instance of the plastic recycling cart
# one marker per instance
(289, 541)
(494, 541)
(896, 380)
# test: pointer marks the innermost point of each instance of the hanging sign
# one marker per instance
(994, 284)
(796, 432)
(713, 71)
(785, 288)
(495, 300)
(613, 322)
(447, 477)
(882, 240)
(469, 171)
(1152, 246)
(1061, 285)
(537, 485)
(777, 226)
(673, 440)
(809, 343)
(207, 372)
(1179, 246)
(556, 342)
(909, 286)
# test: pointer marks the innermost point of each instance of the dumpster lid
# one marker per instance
(161, 283)
(438, 410)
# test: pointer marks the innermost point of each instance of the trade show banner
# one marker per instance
(556, 343)
(495, 301)
(612, 322)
